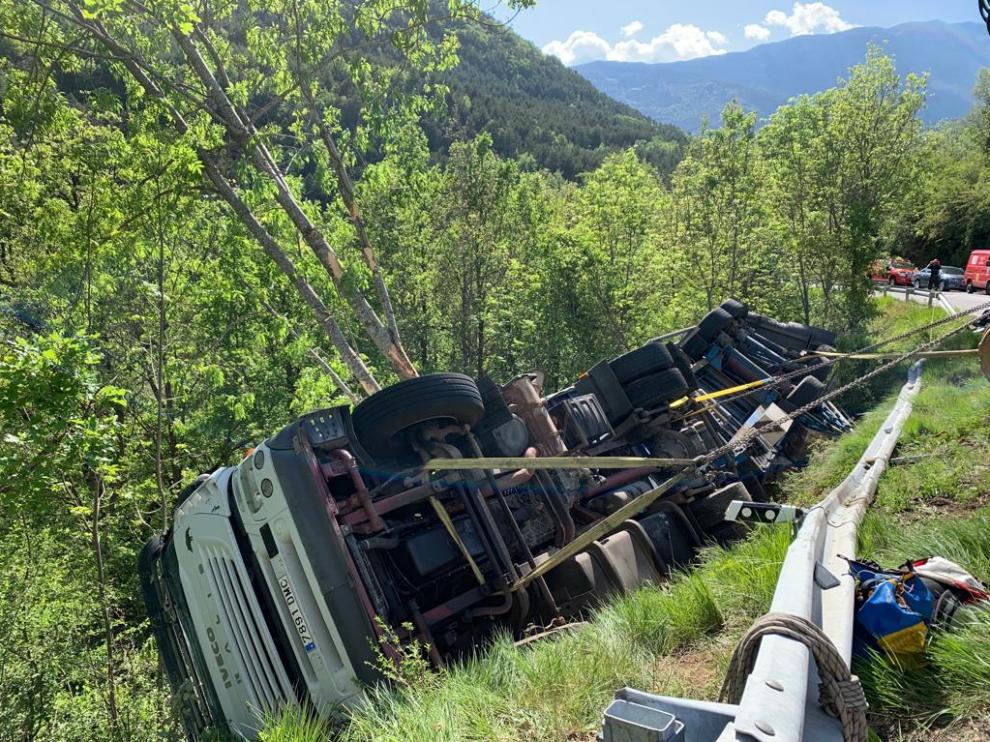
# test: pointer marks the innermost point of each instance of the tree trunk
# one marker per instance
(246, 135)
(101, 585)
(227, 192)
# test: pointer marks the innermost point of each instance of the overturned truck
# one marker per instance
(286, 578)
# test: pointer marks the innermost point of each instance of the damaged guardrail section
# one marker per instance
(813, 603)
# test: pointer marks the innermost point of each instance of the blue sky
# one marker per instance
(580, 31)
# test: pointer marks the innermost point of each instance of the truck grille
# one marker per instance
(250, 637)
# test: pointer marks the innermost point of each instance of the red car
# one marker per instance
(896, 272)
(977, 273)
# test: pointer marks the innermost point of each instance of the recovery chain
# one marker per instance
(778, 379)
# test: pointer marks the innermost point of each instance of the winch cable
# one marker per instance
(778, 379)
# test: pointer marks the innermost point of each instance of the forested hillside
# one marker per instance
(180, 274)
(538, 110)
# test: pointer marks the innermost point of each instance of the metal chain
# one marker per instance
(839, 691)
(828, 362)
(742, 442)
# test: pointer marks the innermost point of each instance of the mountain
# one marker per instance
(533, 105)
(766, 76)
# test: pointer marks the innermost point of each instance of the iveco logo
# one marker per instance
(296, 615)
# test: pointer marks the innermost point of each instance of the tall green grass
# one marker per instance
(557, 688)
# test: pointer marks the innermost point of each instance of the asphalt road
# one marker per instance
(958, 299)
(961, 300)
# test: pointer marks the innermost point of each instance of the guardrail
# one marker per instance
(780, 701)
(909, 292)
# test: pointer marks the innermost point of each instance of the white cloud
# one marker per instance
(632, 29)
(580, 47)
(756, 31)
(807, 18)
(678, 42)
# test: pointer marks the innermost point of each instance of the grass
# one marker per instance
(676, 638)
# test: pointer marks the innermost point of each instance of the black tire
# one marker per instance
(806, 392)
(694, 345)
(736, 308)
(821, 373)
(646, 359)
(892, 281)
(987, 288)
(682, 362)
(653, 390)
(378, 419)
(714, 322)
(969, 287)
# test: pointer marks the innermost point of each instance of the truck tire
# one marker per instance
(806, 392)
(377, 419)
(714, 322)
(736, 308)
(694, 345)
(655, 389)
(682, 362)
(646, 359)
(821, 373)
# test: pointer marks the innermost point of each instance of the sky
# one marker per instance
(579, 31)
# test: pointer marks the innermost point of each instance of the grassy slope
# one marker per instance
(676, 639)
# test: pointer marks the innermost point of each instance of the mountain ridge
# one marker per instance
(768, 75)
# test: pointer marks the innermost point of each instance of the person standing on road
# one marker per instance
(935, 273)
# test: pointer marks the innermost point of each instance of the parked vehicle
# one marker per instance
(900, 272)
(949, 278)
(284, 577)
(896, 272)
(977, 273)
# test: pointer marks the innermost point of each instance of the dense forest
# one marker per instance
(186, 262)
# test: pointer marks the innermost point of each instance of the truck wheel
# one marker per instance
(655, 389)
(969, 287)
(714, 322)
(682, 362)
(986, 287)
(806, 392)
(694, 345)
(644, 360)
(736, 308)
(380, 417)
(892, 281)
(821, 373)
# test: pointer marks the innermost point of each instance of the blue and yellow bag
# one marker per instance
(893, 612)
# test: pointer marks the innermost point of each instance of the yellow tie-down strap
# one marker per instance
(720, 393)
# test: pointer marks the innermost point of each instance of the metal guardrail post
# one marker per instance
(780, 700)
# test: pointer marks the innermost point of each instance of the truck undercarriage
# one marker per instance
(287, 578)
